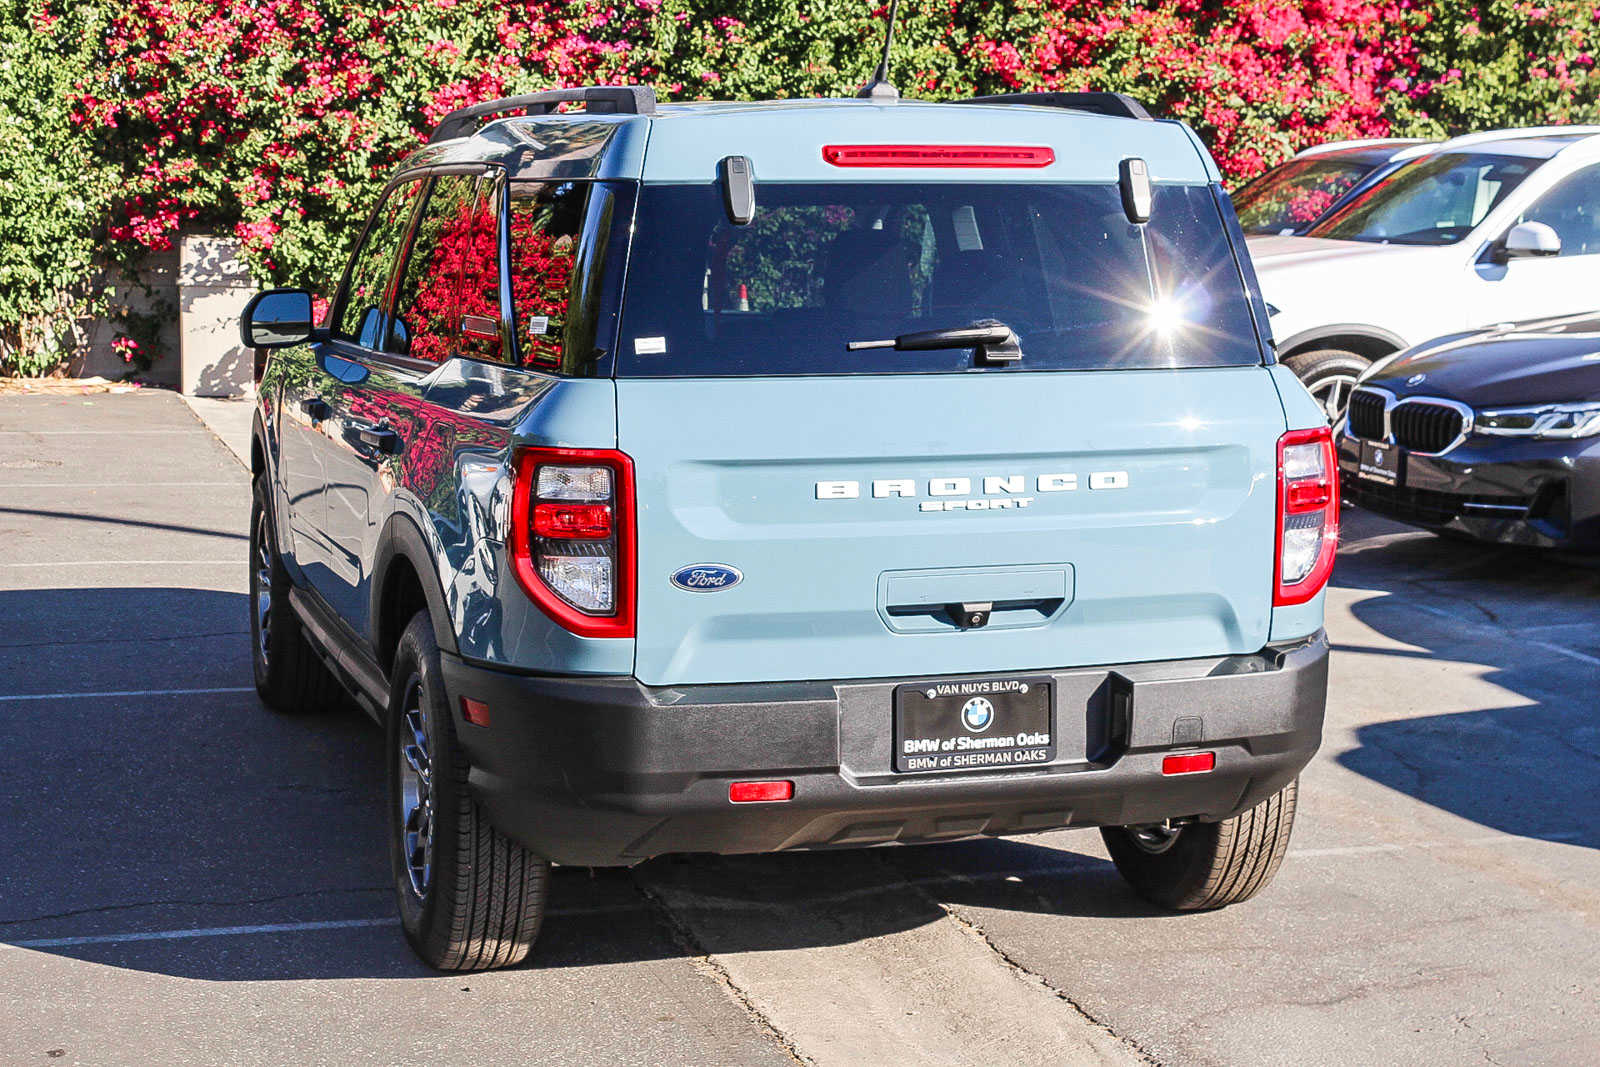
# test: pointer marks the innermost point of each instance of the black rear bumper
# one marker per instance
(605, 771)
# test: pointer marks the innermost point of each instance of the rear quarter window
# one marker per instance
(824, 264)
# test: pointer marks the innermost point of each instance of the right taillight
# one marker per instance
(571, 537)
(1308, 514)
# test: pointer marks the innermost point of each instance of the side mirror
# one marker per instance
(277, 318)
(1528, 240)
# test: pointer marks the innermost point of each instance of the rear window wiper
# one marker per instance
(994, 341)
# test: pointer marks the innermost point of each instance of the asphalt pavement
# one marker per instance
(191, 878)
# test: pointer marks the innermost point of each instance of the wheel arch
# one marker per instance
(405, 581)
(1371, 342)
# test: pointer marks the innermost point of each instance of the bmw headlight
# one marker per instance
(1544, 420)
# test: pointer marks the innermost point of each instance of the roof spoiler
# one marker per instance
(1117, 105)
(598, 99)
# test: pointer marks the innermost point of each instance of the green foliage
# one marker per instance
(126, 122)
(54, 191)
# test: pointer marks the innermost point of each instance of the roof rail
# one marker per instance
(599, 99)
(1117, 105)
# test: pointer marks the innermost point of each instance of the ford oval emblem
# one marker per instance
(707, 577)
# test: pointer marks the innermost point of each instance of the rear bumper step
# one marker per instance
(605, 771)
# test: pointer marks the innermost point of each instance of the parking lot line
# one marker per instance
(208, 931)
(1500, 631)
(106, 433)
(129, 693)
(118, 485)
(235, 562)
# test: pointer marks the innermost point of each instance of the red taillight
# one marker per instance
(572, 521)
(938, 155)
(1189, 763)
(1308, 515)
(760, 792)
(572, 537)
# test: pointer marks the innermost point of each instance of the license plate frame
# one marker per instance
(935, 734)
(1382, 463)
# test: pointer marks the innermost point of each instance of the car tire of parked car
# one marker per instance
(1201, 866)
(1328, 375)
(470, 898)
(288, 673)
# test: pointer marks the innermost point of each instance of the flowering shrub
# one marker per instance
(53, 191)
(277, 119)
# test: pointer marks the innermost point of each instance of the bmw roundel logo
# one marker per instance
(977, 714)
(1416, 379)
(707, 577)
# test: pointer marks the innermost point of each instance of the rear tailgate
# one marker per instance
(1108, 517)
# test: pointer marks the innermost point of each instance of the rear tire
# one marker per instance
(470, 898)
(1206, 865)
(1329, 374)
(289, 675)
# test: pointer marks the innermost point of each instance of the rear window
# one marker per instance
(826, 264)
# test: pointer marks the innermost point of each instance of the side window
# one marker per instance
(480, 276)
(425, 308)
(361, 309)
(1572, 209)
(547, 222)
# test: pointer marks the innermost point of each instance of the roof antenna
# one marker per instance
(878, 88)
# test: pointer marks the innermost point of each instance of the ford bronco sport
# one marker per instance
(744, 477)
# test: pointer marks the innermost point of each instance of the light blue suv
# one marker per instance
(759, 476)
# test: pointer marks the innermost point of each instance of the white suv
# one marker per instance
(1482, 229)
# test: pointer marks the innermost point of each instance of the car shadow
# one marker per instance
(158, 814)
(1531, 619)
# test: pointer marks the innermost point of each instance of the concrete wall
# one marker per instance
(213, 288)
(198, 290)
(153, 288)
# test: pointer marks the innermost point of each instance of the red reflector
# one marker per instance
(938, 155)
(759, 792)
(1307, 496)
(572, 520)
(475, 711)
(1190, 763)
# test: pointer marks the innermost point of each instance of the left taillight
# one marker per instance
(1308, 515)
(572, 537)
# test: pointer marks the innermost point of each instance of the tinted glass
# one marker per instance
(1290, 197)
(360, 310)
(1572, 209)
(826, 264)
(560, 243)
(1436, 200)
(481, 335)
(425, 305)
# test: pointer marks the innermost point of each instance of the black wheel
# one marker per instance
(1328, 375)
(288, 674)
(471, 899)
(1206, 865)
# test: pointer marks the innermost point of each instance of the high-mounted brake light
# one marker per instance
(572, 537)
(938, 155)
(1308, 515)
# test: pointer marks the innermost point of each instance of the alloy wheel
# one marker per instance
(261, 589)
(416, 789)
(1155, 838)
(1332, 393)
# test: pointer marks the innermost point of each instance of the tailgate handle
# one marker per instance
(973, 598)
(971, 616)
